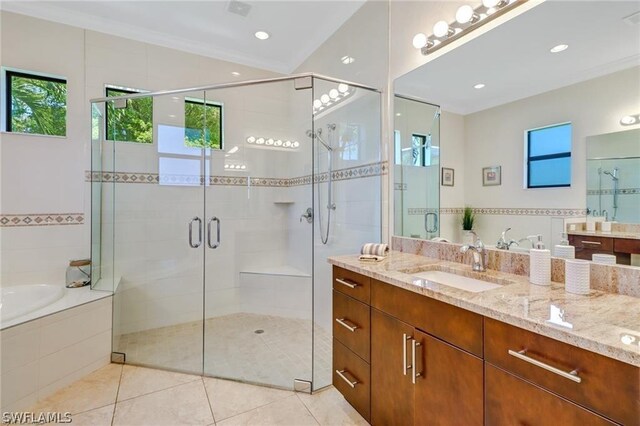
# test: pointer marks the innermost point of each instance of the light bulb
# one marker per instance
(559, 48)
(317, 103)
(333, 93)
(440, 29)
(295, 144)
(260, 141)
(226, 166)
(419, 40)
(262, 35)
(287, 144)
(342, 88)
(243, 167)
(490, 3)
(277, 143)
(464, 14)
(491, 11)
(325, 99)
(251, 139)
(269, 142)
(479, 86)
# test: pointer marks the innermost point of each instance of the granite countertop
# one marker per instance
(612, 234)
(599, 322)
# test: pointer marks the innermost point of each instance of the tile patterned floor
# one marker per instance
(118, 395)
(233, 350)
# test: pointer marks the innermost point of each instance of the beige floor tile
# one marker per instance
(284, 412)
(185, 404)
(231, 398)
(93, 391)
(330, 408)
(137, 381)
(98, 417)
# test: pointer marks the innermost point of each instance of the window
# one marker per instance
(130, 121)
(549, 156)
(199, 116)
(36, 104)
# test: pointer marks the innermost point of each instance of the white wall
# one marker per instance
(46, 174)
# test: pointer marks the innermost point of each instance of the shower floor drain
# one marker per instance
(259, 331)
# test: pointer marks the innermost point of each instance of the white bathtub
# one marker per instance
(23, 299)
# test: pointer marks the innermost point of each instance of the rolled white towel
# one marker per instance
(375, 249)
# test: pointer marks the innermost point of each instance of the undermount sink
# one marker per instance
(457, 281)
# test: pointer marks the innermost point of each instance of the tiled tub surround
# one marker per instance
(618, 279)
(599, 322)
(46, 354)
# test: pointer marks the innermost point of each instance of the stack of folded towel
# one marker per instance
(374, 252)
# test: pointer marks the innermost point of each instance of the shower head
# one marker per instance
(316, 135)
(613, 174)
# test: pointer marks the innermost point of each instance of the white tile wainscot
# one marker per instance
(46, 354)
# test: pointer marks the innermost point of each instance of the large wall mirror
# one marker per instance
(536, 130)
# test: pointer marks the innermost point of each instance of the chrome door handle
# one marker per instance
(217, 243)
(405, 366)
(416, 373)
(343, 377)
(572, 375)
(347, 283)
(343, 322)
(195, 219)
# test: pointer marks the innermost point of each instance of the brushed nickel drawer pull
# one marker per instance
(342, 322)
(343, 377)
(405, 366)
(347, 283)
(572, 375)
(414, 345)
(595, 243)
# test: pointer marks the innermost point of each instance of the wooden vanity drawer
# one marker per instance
(454, 325)
(600, 244)
(351, 376)
(352, 324)
(351, 283)
(626, 245)
(608, 387)
(512, 401)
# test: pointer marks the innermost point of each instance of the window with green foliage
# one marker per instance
(203, 124)
(130, 121)
(36, 104)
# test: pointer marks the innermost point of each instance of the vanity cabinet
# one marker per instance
(587, 245)
(405, 359)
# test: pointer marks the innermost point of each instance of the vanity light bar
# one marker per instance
(334, 97)
(466, 20)
(236, 167)
(272, 143)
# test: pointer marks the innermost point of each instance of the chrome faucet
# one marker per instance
(478, 252)
(502, 243)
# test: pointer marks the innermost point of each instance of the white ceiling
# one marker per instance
(297, 28)
(514, 62)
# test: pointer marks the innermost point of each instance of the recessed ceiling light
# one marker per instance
(479, 86)
(347, 59)
(236, 73)
(628, 120)
(262, 35)
(558, 48)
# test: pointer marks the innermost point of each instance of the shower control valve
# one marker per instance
(308, 214)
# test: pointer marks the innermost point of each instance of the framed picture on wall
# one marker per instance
(448, 176)
(492, 176)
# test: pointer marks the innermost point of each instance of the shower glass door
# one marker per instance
(158, 229)
(259, 233)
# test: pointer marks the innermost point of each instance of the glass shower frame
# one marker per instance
(104, 175)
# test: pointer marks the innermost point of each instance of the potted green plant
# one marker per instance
(468, 219)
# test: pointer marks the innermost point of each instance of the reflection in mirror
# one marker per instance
(517, 124)
(417, 164)
(613, 176)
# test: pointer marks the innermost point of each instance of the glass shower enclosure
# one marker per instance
(204, 221)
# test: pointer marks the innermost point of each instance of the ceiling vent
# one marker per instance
(238, 7)
(632, 19)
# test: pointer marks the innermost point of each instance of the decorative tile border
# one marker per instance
(357, 172)
(506, 211)
(421, 211)
(622, 191)
(41, 219)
